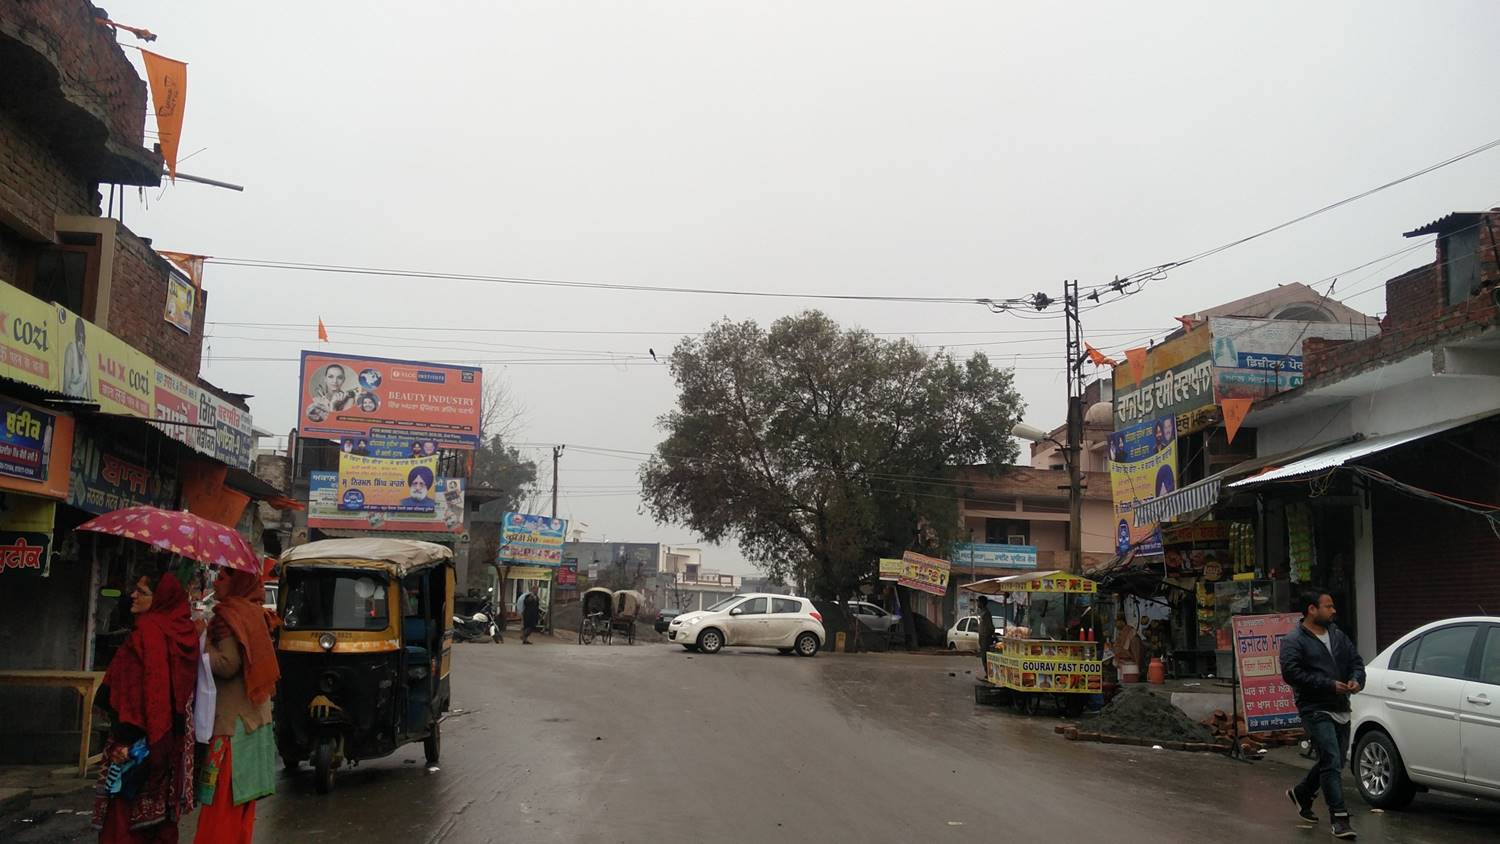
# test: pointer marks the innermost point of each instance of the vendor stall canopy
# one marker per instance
(1036, 581)
(402, 554)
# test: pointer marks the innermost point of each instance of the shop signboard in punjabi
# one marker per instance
(372, 485)
(1178, 380)
(106, 476)
(1266, 698)
(1256, 358)
(323, 511)
(354, 396)
(25, 440)
(201, 420)
(1142, 465)
(993, 556)
(923, 573)
(532, 540)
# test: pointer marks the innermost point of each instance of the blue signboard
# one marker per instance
(25, 441)
(991, 556)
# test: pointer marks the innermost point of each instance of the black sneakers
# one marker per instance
(1342, 829)
(1304, 809)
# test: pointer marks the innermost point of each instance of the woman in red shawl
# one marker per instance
(148, 691)
(240, 767)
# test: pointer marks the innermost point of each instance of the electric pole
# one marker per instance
(557, 451)
(1074, 451)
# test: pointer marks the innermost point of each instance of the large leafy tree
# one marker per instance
(822, 449)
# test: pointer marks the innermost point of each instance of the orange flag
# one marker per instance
(168, 78)
(188, 263)
(1235, 411)
(322, 330)
(1137, 358)
(1097, 357)
(1186, 322)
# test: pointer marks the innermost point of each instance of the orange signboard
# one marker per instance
(354, 396)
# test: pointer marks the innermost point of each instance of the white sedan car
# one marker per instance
(782, 622)
(964, 636)
(1429, 714)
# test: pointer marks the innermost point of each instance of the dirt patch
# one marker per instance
(1142, 713)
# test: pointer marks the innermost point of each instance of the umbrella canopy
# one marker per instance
(181, 533)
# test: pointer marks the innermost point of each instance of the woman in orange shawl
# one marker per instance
(146, 785)
(240, 766)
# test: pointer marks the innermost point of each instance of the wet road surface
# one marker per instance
(561, 743)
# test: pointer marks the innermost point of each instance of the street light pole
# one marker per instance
(1074, 451)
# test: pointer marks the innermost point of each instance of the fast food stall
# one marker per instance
(1051, 653)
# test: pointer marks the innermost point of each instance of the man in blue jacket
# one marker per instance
(1321, 665)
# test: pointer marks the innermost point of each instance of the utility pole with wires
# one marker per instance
(557, 451)
(1074, 450)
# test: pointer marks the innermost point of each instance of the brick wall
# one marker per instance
(137, 301)
(35, 184)
(1489, 248)
(1414, 296)
(92, 71)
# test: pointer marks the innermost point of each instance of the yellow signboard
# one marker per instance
(30, 339)
(1033, 665)
(377, 485)
(123, 379)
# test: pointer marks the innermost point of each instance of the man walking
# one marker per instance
(531, 615)
(1321, 665)
(986, 633)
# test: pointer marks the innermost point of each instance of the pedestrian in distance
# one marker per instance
(1323, 668)
(531, 615)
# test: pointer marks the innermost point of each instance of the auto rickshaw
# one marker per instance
(364, 651)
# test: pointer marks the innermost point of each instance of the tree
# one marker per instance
(497, 466)
(822, 449)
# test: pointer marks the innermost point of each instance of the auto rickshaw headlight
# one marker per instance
(327, 641)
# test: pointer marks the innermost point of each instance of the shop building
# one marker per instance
(100, 393)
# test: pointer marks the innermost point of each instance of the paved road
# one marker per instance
(560, 743)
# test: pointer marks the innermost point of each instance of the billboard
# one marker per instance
(353, 396)
(373, 485)
(31, 339)
(1142, 465)
(323, 510)
(1178, 379)
(992, 556)
(1267, 699)
(532, 540)
(1256, 358)
(211, 425)
(924, 573)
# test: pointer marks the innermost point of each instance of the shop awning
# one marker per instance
(1350, 452)
(1204, 494)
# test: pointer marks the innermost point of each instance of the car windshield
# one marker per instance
(320, 599)
(726, 603)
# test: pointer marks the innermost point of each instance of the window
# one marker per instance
(785, 605)
(871, 609)
(1460, 252)
(1489, 664)
(1403, 658)
(724, 604)
(68, 273)
(966, 625)
(328, 600)
(1445, 652)
(754, 606)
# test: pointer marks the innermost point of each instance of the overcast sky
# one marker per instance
(977, 149)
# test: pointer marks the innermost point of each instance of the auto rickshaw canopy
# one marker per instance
(1035, 581)
(397, 556)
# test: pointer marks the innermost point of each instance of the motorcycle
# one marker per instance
(479, 626)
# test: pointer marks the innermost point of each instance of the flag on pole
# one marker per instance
(1097, 357)
(168, 79)
(188, 263)
(1186, 322)
(322, 330)
(1235, 411)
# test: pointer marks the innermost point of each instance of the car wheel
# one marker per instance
(711, 641)
(807, 644)
(952, 646)
(1380, 773)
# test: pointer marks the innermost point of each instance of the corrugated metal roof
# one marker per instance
(1344, 454)
(1446, 224)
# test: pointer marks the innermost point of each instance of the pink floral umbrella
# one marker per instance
(181, 533)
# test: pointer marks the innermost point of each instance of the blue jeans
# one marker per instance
(1331, 740)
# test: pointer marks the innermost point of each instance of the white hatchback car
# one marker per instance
(1429, 714)
(782, 622)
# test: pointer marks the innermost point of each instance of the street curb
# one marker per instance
(1075, 734)
(14, 799)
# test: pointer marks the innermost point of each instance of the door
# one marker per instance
(968, 634)
(748, 623)
(1479, 716)
(1422, 691)
(784, 622)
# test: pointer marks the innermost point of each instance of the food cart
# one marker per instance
(1045, 651)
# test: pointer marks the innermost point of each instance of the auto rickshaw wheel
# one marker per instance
(433, 744)
(323, 766)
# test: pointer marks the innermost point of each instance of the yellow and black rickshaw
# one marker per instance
(364, 651)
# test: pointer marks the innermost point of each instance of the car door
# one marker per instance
(747, 623)
(1422, 692)
(968, 631)
(784, 622)
(1479, 715)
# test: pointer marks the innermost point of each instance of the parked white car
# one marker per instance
(783, 622)
(1429, 714)
(964, 636)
